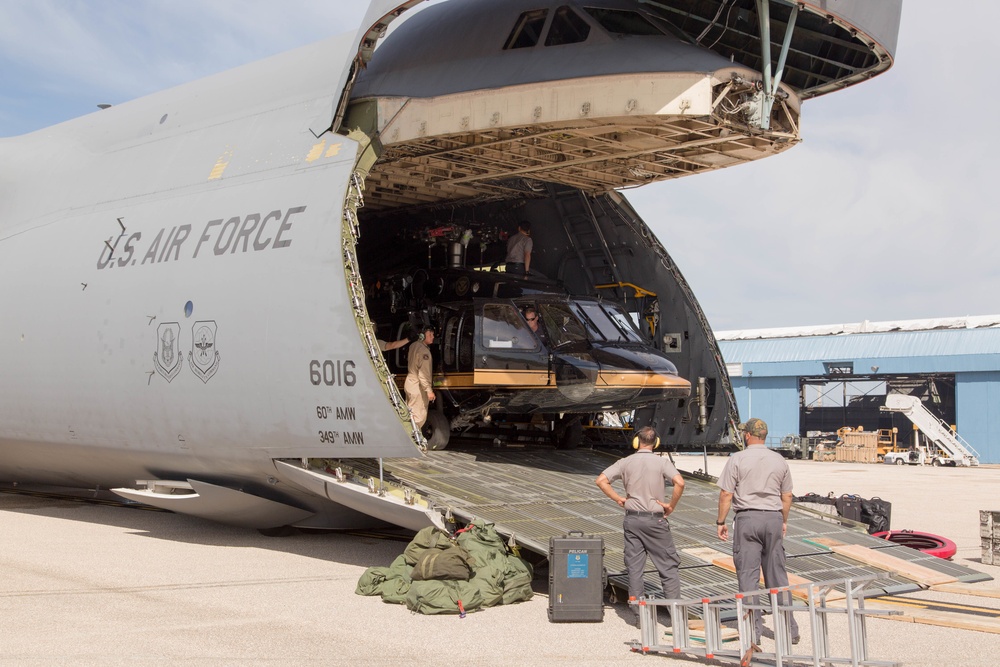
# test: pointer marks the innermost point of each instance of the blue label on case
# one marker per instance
(577, 566)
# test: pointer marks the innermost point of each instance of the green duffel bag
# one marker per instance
(400, 569)
(392, 581)
(517, 580)
(430, 537)
(371, 581)
(482, 541)
(441, 597)
(451, 563)
(394, 590)
(489, 588)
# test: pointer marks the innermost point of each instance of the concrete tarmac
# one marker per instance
(85, 584)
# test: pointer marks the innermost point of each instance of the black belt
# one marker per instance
(751, 509)
(635, 513)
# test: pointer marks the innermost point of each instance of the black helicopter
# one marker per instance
(516, 356)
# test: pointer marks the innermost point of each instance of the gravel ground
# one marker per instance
(90, 584)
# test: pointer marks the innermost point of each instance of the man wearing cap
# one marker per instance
(418, 386)
(519, 250)
(757, 484)
(647, 531)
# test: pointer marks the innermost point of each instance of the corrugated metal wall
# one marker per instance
(766, 372)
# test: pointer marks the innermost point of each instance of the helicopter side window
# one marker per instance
(504, 328)
(561, 323)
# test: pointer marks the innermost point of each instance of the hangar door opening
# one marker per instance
(829, 402)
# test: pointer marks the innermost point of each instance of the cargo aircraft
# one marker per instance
(195, 282)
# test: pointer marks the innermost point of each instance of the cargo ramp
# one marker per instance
(533, 495)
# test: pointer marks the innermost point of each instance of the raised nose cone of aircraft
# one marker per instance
(464, 45)
(597, 95)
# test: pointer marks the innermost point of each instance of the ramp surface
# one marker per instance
(533, 495)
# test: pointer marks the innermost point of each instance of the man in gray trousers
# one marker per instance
(647, 531)
(757, 483)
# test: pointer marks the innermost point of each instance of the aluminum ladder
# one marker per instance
(713, 645)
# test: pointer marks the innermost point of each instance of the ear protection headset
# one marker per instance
(635, 442)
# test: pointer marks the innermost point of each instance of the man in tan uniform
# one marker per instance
(418, 386)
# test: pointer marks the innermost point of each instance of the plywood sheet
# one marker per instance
(948, 619)
(967, 590)
(885, 561)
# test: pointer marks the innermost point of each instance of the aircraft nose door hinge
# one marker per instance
(772, 82)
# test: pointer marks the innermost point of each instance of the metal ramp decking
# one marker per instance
(533, 495)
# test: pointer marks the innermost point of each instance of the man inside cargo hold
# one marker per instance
(647, 531)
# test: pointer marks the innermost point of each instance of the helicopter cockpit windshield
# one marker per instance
(607, 322)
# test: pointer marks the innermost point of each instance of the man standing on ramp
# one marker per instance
(647, 532)
(757, 484)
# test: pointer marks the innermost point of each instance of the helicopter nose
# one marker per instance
(644, 379)
(647, 372)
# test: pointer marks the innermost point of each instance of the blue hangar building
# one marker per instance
(810, 381)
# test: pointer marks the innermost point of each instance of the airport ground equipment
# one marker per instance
(956, 450)
(713, 643)
(577, 578)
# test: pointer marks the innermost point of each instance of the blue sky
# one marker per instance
(885, 211)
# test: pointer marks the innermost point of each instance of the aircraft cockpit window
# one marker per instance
(527, 30)
(505, 328)
(623, 22)
(567, 28)
(625, 323)
(562, 324)
(600, 323)
(610, 325)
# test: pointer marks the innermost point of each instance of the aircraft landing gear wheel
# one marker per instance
(570, 434)
(440, 430)
(899, 462)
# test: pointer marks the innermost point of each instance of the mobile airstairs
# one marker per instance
(957, 450)
(711, 640)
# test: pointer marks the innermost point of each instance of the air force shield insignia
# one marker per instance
(203, 357)
(168, 358)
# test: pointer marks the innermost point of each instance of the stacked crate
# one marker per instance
(989, 533)
(858, 447)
